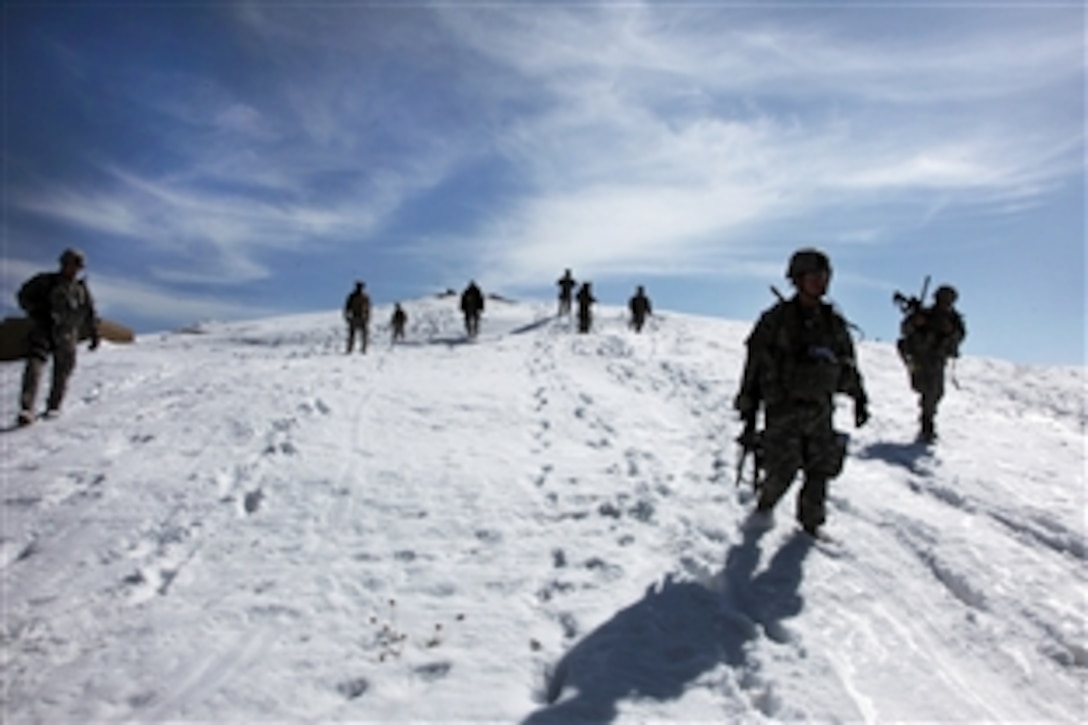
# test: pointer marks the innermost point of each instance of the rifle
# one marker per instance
(751, 444)
(909, 305)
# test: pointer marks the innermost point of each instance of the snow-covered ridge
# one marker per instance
(537, 526)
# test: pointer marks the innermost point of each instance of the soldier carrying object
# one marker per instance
(929, 336)
(472, 306)
(799, 354)
(640, 308)
(357, 315)
(60, 307)
(566, 286)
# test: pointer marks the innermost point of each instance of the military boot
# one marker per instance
(928, 432)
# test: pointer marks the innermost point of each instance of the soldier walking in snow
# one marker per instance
(60, 307)
(398, 321)
(566, 286)
(640, 308)
(585, 313)
(929, 336)
(472, 306)
(357, 315)
(799, 355)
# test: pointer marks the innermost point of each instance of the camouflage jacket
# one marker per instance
(62, 308)
(640, 306)
(798, 355)
(472, 300)
(932, 335)
(357, 307)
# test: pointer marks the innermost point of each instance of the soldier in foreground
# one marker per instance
(357, 315)
(799, 355)
(60, 306)
(929, 337)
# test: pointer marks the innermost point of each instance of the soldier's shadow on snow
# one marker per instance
(659, 646)
(907, 455)
(535, 325)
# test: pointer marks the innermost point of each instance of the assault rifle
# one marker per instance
(751, 444)
(910, 305)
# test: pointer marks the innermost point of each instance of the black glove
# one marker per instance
(861, 412)
(94, 343)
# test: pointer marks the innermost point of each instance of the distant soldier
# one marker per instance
(357, 315)
(60, 307)
(472, 306)
(566, 286)
(929, 337)
(640, 308)
(585, 313)
(799, 355)
(398, 321)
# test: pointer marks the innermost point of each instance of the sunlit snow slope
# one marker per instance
(240, 522)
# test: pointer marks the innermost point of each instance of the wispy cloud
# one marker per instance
(632, 136)
(656, 129)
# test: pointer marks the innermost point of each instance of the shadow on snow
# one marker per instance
(907, 455)
(660, 645)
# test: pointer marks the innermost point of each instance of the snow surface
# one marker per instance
(239, 522)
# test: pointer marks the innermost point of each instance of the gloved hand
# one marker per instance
(744, 405)
(94, 343)
(861, 412)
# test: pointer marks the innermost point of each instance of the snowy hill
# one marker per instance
(239, 522)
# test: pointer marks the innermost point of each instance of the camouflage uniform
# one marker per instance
(640, 308)
(566, 286)
(357, 315)
(398, 321)
(799, 356)
(472, 306)
(585, 312)
(929, 337)
(61, 307)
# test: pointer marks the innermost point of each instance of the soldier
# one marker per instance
(399, 319)
(585, 314)
(799, 355)
(60, 307)
(357, 315)
(929, 337)
(640, 307)
(472, 306)
(566, 286)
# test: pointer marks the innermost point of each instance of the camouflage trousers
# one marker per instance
(362, 329)
(927, 379)
(472, 322)
(64, 362)
(799, 437)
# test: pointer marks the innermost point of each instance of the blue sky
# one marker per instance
(234, 160)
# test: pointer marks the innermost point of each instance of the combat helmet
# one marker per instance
(946, 292)
(808, 259)
(71, 256)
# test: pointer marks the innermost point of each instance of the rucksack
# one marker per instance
(34, 295)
